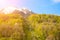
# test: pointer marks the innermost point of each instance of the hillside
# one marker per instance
(15, 26)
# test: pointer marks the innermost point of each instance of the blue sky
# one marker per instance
(38, 6)
(44, 6)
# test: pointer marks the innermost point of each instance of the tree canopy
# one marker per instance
(33, 27)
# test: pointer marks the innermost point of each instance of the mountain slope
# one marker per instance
(24, 12)
(34, 27)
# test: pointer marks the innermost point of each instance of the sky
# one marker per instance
(37, 6)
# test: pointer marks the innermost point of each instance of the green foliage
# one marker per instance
(34, 27)
(44, 27)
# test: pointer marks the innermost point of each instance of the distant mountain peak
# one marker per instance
(8, 10)
(22, 11)
(25, 10)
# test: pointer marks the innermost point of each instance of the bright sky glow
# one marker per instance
(8, 10)
(56, 1)
(5, 3)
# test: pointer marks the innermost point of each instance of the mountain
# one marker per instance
(8, 10)
(29, 27)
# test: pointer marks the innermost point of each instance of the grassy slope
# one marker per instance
(34, 27)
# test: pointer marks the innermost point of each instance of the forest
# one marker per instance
(33, 27)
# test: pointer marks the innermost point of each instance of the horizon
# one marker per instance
(37, 6)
